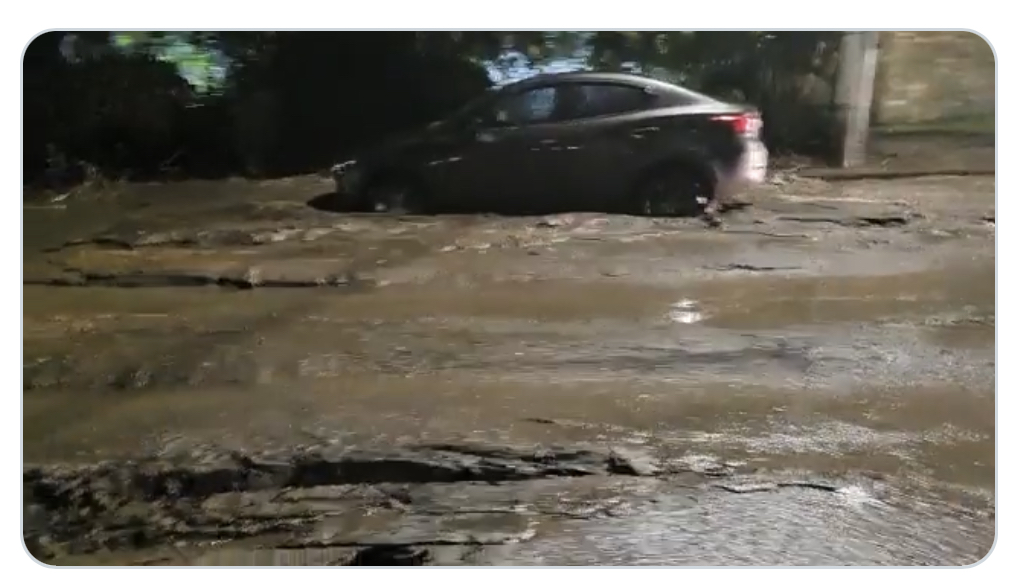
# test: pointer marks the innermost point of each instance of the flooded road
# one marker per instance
(252, 381)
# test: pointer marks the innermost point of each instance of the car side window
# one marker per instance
(529, 107)
(599, 99)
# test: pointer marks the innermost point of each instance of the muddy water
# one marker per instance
(781, 367)
(791, 527)
(875, 360)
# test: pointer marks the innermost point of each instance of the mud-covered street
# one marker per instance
(222, 373)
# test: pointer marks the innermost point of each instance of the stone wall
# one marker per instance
(929, 76)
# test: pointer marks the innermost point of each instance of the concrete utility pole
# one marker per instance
(855, 85)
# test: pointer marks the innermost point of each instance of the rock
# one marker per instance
(624, 461)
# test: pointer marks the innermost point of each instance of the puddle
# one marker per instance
(785, 527)
(777, 302)
(685, 312)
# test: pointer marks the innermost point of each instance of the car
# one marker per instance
(566, 142)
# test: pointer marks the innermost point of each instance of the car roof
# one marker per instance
(546, 79)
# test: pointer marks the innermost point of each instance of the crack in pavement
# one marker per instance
(883, 221)
(752, 268)
(64, 487)
(773, 486)
(249, 280)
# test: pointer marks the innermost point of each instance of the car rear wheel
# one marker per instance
(395, 196)
(673, 192)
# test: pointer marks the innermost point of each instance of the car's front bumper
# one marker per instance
(347, 176)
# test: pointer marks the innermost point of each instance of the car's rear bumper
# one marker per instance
(751, 169)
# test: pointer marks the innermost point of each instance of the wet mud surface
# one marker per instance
(222, 374)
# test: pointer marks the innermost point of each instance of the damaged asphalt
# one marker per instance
(249, 380)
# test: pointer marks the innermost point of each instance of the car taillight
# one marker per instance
(746, 123)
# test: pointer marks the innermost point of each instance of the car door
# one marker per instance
(598, 136)
(498, 165)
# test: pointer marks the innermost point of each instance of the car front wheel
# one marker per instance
(395, 196)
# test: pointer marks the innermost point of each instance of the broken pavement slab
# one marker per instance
(310, 499)
(240, 268)
(881, 220)
(200, 478)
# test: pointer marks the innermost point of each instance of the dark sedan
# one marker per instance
(574, 141)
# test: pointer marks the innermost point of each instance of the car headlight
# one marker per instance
(347, 176)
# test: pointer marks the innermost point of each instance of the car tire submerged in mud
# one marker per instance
(672, 191)
(395, 195)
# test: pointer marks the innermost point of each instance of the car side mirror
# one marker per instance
(479, 130)
(485, 136)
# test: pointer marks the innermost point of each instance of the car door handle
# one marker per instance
(645, 130)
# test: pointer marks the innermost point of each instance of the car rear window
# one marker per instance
(599, 99)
